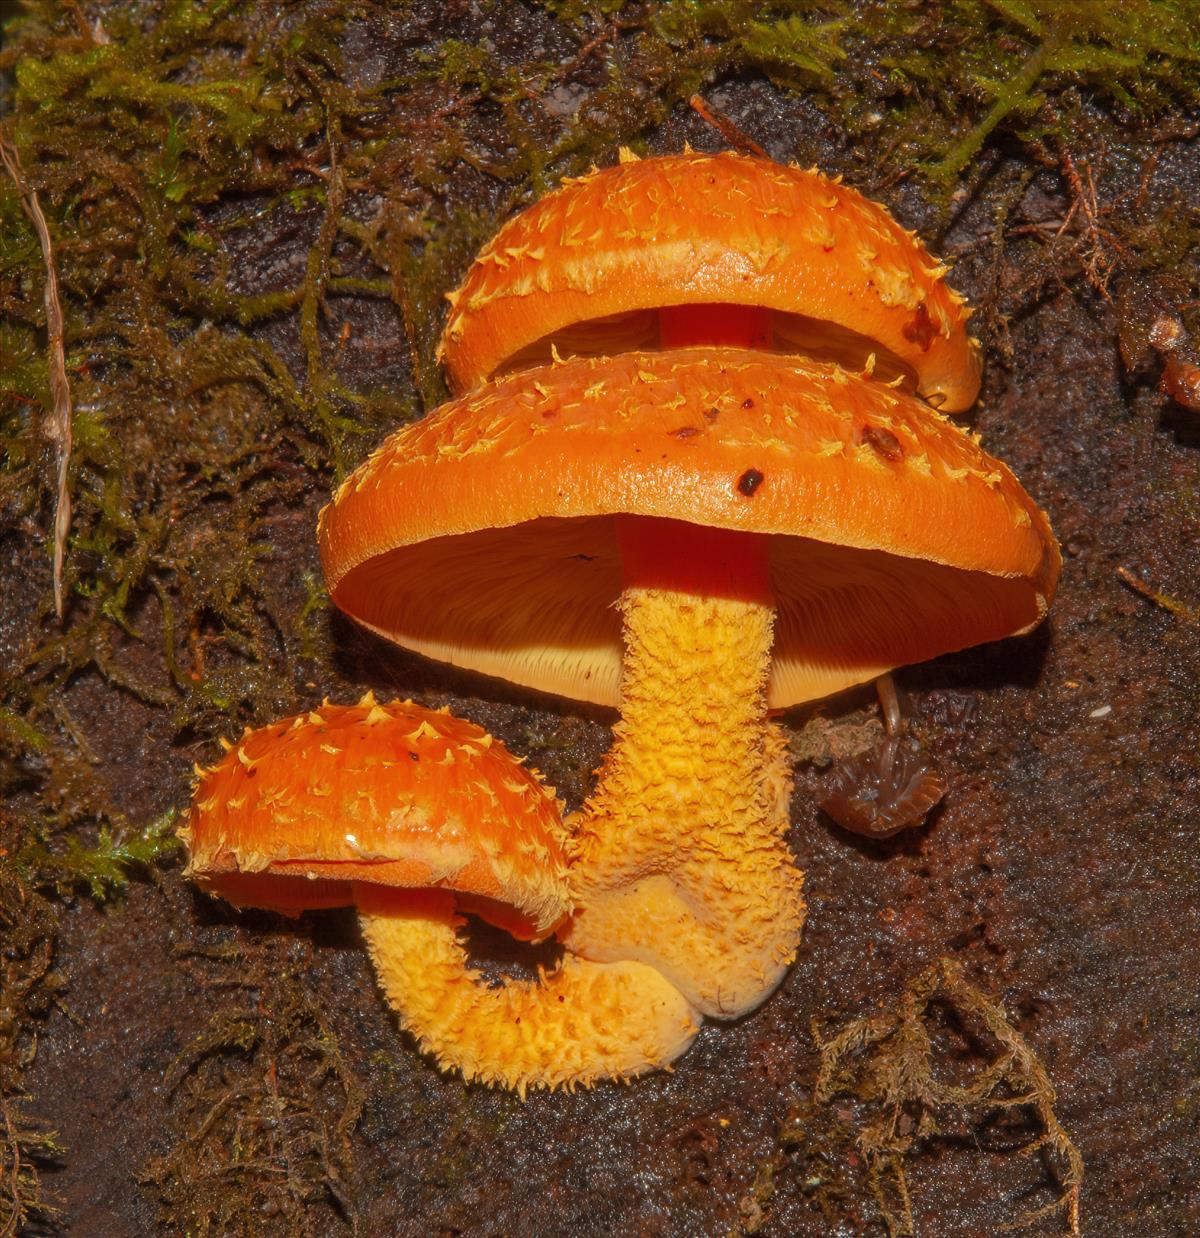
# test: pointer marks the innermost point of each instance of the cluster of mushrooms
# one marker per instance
(699, 469)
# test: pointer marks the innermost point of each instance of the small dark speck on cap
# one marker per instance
(919, 329)
(882, 442)
(749, 482)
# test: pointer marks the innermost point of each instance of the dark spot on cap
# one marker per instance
(412, 756)
(583, 558)
(749, 482)
(712, 414)
(919, 329)
(685, 432)
(882, 442)
(549, 413)
(747, 403)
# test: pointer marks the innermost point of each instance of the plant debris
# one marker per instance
(888, 1064)
(1181, 610)
(725, 127)
(27, 987)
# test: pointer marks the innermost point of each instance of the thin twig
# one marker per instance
(58, 426)
(725, 127)
(1181, 610)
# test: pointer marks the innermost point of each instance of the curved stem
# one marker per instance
(680, 855)
(889, 705)
(583, 1022)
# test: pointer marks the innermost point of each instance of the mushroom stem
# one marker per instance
(583, 1022)
(889, 705)
(681, 860)
(739, 326)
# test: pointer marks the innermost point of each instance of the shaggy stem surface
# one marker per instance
(584, 1022)
(680, 855)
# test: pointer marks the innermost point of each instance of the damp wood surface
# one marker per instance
(255, 218)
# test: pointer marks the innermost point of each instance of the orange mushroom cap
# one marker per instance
(300, 811)
(414, 816)
(484, 535)
(585, 269)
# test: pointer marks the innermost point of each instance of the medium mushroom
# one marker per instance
(695, 536)
(416, 817)
(712, 249)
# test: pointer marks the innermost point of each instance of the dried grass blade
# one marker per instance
(58, 426)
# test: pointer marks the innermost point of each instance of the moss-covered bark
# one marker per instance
(255, 211)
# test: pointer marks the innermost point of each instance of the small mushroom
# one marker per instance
(884, 790)
(669, 251)
(1181, 373)
(415, 817)
(890, 786)
(811, 530)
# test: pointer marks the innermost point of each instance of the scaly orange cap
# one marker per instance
(298, 812)
(586, 269)
(484, 535)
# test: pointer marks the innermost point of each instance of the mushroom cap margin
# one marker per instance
(693, 228)
(482, 534)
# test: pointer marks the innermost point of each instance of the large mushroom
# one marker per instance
(416, 817)
(695, 536)
(712, 249)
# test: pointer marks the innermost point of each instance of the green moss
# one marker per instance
(931, 84)
(264, 1105)
(796, 45)
(943, 79)
(103, 866)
